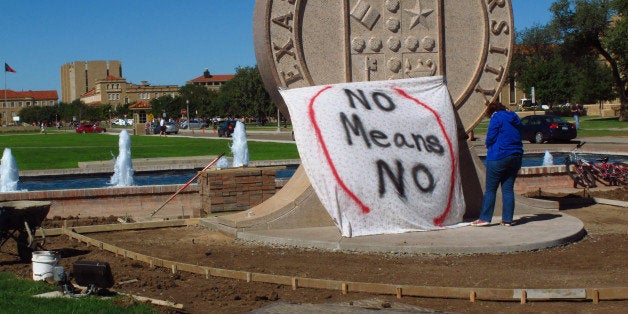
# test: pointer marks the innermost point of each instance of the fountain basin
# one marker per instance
(536, 159)
(135, 201)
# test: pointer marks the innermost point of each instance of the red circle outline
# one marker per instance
(438, 221)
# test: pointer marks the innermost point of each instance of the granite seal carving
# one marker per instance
(302, 43)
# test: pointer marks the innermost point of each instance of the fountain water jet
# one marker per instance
(548, 159)
(123, 167)
(239, 148)
(222, 163)
(9, 175)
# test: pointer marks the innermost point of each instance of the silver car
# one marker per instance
(171, 128)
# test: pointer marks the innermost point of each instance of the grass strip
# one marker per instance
(66, 150)
(17, 296)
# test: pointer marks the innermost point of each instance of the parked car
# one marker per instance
(528, 105)
(122, 122)
(193, 124)
(226, 128)
(543, 128)
(90, 128)
(171, 128)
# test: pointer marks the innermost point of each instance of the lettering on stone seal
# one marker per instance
(497, 58)
(307, 43)
(290, 67)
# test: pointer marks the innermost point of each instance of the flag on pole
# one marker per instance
(7, 68)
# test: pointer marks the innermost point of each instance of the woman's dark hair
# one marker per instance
(494, 107)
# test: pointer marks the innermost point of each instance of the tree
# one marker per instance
(596, 27)
(65, 112)
(593, 82)
(244, 95)
(164, 104)
(537, 64)
(199, 99)
(75, 109)
(558, 71)
(35, 115)
(121, 110)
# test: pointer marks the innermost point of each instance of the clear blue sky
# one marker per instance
(159, 41)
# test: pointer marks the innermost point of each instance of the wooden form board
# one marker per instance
(473, 294)
(120, 227)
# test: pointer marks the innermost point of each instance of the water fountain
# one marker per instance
(222, 163)
(9, 175)
(123, 167)
(240, 148)
(548, 159)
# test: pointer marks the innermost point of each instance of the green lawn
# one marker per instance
(65, 150)
(590, 126)
(16, 296)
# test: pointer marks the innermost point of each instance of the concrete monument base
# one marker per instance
(534, 231)
(295, 217)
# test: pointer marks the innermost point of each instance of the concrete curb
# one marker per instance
(610, 202)
(539, 230)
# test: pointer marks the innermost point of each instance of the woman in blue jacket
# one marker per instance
(503, 161)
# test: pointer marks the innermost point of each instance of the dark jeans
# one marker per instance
(504, 172)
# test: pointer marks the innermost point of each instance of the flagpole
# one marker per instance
(5, 95)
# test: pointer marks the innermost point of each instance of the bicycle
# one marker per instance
(579, 169)
(610, 173)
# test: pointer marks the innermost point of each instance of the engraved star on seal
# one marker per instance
(420, 14)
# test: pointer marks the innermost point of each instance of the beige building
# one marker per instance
(13, 102)
(212, 82)
(117, 91)
(78, 77)
(510, 95)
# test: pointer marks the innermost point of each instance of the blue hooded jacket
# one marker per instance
(503, 137)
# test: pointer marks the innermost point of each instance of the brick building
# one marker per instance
(78, 77)
(13, 102)
(117, 91)
(210, 81)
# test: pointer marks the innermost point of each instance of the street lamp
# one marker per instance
(110, 126)
(187, 110)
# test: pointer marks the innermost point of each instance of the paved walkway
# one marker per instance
(533, 229)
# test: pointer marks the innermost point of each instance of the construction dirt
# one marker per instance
(599, 260)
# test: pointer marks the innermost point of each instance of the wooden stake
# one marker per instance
(295, 283)
(596, 296)
(174, 268)
(472, 296)
(524, 296)
(399, 293)
(345, 288)
(186, 184)
(207, 273)
(248, 277)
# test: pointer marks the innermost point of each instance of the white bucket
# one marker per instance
(43, 264)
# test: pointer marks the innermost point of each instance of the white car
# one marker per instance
(122, 122)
